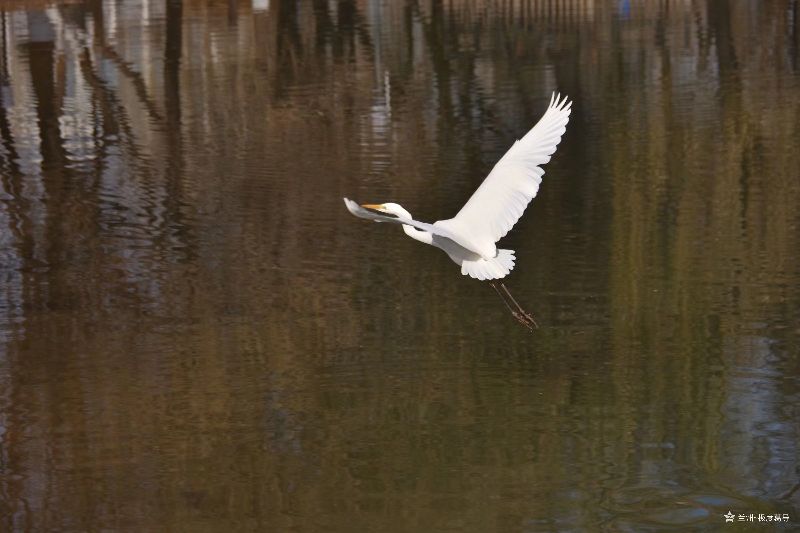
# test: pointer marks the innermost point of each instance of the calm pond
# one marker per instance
(195, 334)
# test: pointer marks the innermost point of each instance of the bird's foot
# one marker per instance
(525, 319)
(522, 316)
(530, 318)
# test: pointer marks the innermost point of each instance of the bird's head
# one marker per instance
(390, 208)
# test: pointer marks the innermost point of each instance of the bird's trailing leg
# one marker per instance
(522, 317)
(523, 312)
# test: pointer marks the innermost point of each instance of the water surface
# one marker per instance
(195, 334)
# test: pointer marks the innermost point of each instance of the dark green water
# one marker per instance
(195, 335)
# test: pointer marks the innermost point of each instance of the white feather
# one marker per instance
(469, 238)
(514, 181)
(497, 267)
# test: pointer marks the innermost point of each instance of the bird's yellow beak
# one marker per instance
(376, 207)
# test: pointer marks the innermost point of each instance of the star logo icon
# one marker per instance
(729, 516)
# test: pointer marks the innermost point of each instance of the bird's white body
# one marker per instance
(470, 237)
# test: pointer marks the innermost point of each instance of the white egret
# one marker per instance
(469, 238)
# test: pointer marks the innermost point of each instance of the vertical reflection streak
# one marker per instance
(210, 342)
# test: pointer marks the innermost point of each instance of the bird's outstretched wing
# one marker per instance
(501, 199)
(360, 212)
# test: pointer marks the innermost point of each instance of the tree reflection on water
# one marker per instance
(194, 334)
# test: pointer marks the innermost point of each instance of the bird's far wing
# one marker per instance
(360, 212)
(501, 199)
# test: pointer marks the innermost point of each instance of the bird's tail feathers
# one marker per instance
(497, 267)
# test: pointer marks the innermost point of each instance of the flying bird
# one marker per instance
(470, 237)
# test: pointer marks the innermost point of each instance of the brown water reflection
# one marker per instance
(196, 335)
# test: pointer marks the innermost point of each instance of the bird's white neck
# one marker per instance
(417, 234)
(401, 213)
